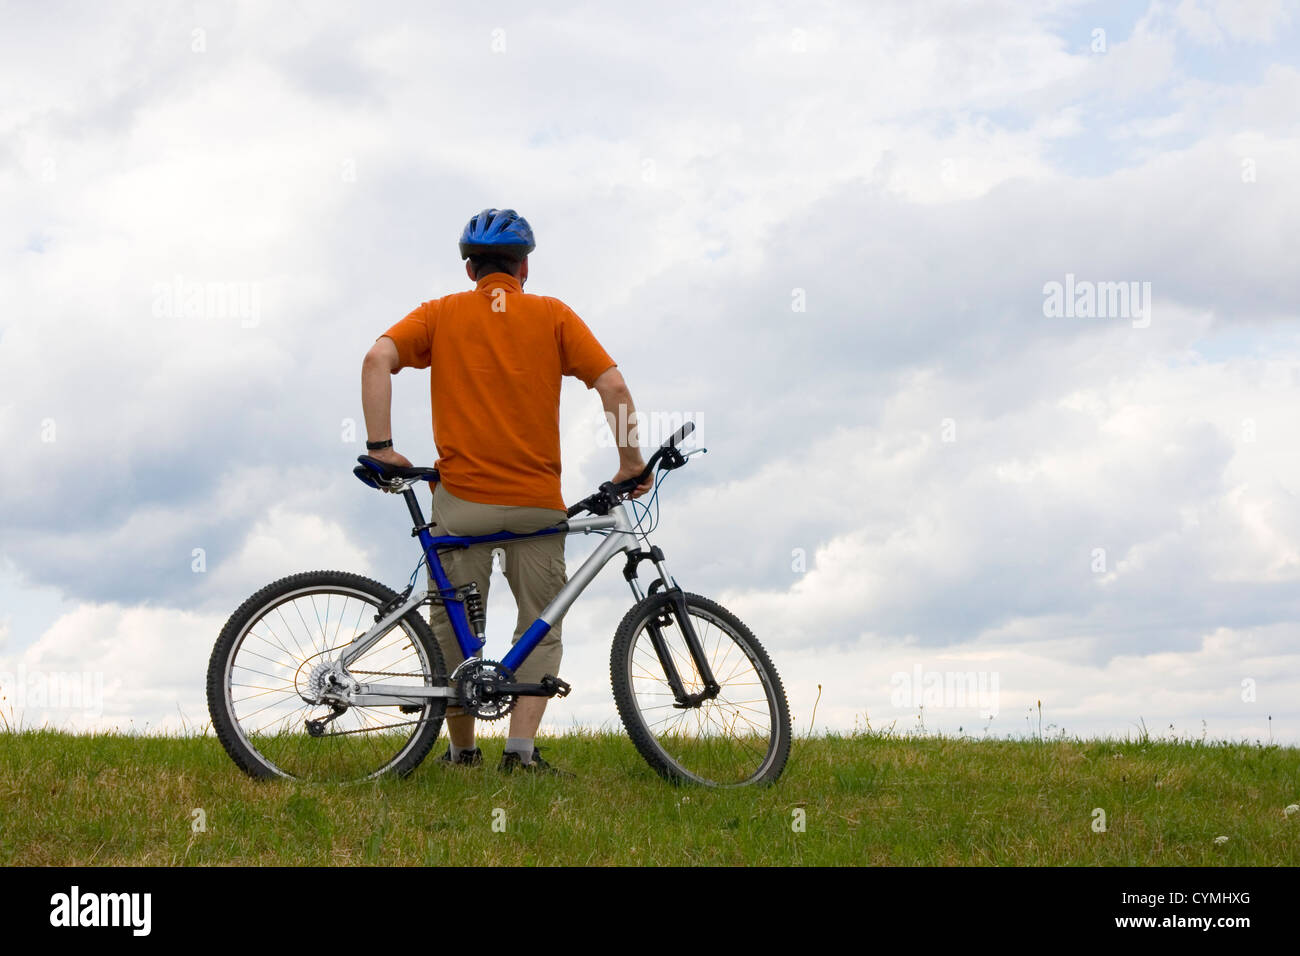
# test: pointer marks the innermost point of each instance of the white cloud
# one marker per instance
(284, 543)
(113, 667)
(1214, 21)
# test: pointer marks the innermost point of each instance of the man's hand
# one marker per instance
(632, 471)
(390, 456)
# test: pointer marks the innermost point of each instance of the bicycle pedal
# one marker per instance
(556, 687)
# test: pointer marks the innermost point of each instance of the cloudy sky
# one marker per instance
(831, 233)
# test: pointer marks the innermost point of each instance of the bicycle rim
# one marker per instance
(267, 672)
(729, 741)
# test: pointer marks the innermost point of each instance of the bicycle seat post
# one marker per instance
(413, 506)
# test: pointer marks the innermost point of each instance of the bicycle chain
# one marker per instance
(367, 730)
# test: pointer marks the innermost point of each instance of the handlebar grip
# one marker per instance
(584, 505)
(687, 427)
(668, 450)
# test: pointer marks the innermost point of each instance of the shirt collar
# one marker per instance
(495, 280)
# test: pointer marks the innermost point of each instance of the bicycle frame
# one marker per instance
(622, 540)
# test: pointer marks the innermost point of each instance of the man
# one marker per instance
(496, 356)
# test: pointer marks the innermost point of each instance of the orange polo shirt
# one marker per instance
(496, 355)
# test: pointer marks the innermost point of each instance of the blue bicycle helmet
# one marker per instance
(497, 232)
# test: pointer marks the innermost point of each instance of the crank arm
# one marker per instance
(549, 687)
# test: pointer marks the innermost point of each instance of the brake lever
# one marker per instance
(673, 458)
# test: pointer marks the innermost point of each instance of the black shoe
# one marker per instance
(467, 758)
(512, 761)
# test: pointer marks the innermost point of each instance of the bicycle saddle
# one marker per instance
(372, 469)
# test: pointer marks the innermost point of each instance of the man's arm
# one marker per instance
(377, 370)
(614, 395)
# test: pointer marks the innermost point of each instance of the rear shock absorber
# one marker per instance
(475, 610)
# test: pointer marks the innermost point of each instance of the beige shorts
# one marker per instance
(534, 569)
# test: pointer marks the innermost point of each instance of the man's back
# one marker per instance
(496, 357)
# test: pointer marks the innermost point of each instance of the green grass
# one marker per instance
(868, 798)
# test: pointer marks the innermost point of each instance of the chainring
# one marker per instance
(476, 683)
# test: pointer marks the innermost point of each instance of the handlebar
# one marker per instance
(666, 456)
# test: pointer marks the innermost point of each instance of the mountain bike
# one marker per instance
(330, 676)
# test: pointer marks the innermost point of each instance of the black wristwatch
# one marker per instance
(376, 445)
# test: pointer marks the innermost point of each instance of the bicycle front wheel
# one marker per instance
(263, 662)
(739, 737)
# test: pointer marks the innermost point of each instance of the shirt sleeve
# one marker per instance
(580, 354)
(413, 336)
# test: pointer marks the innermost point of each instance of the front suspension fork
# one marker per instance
(675, 604)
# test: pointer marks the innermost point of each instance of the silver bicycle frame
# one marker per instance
(623, 537)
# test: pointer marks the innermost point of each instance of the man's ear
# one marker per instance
(523, 271)
(469, 270)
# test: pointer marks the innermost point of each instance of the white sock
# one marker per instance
(457, 751)
(522, 746)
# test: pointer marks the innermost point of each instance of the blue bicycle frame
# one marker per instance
(622, 537)
(470, 643)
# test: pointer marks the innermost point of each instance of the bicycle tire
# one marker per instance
(680, 748)
(290, 751)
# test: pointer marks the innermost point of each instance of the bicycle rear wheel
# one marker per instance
(264, 658)
(740, 737)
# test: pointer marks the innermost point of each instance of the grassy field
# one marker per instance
(865, 799)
